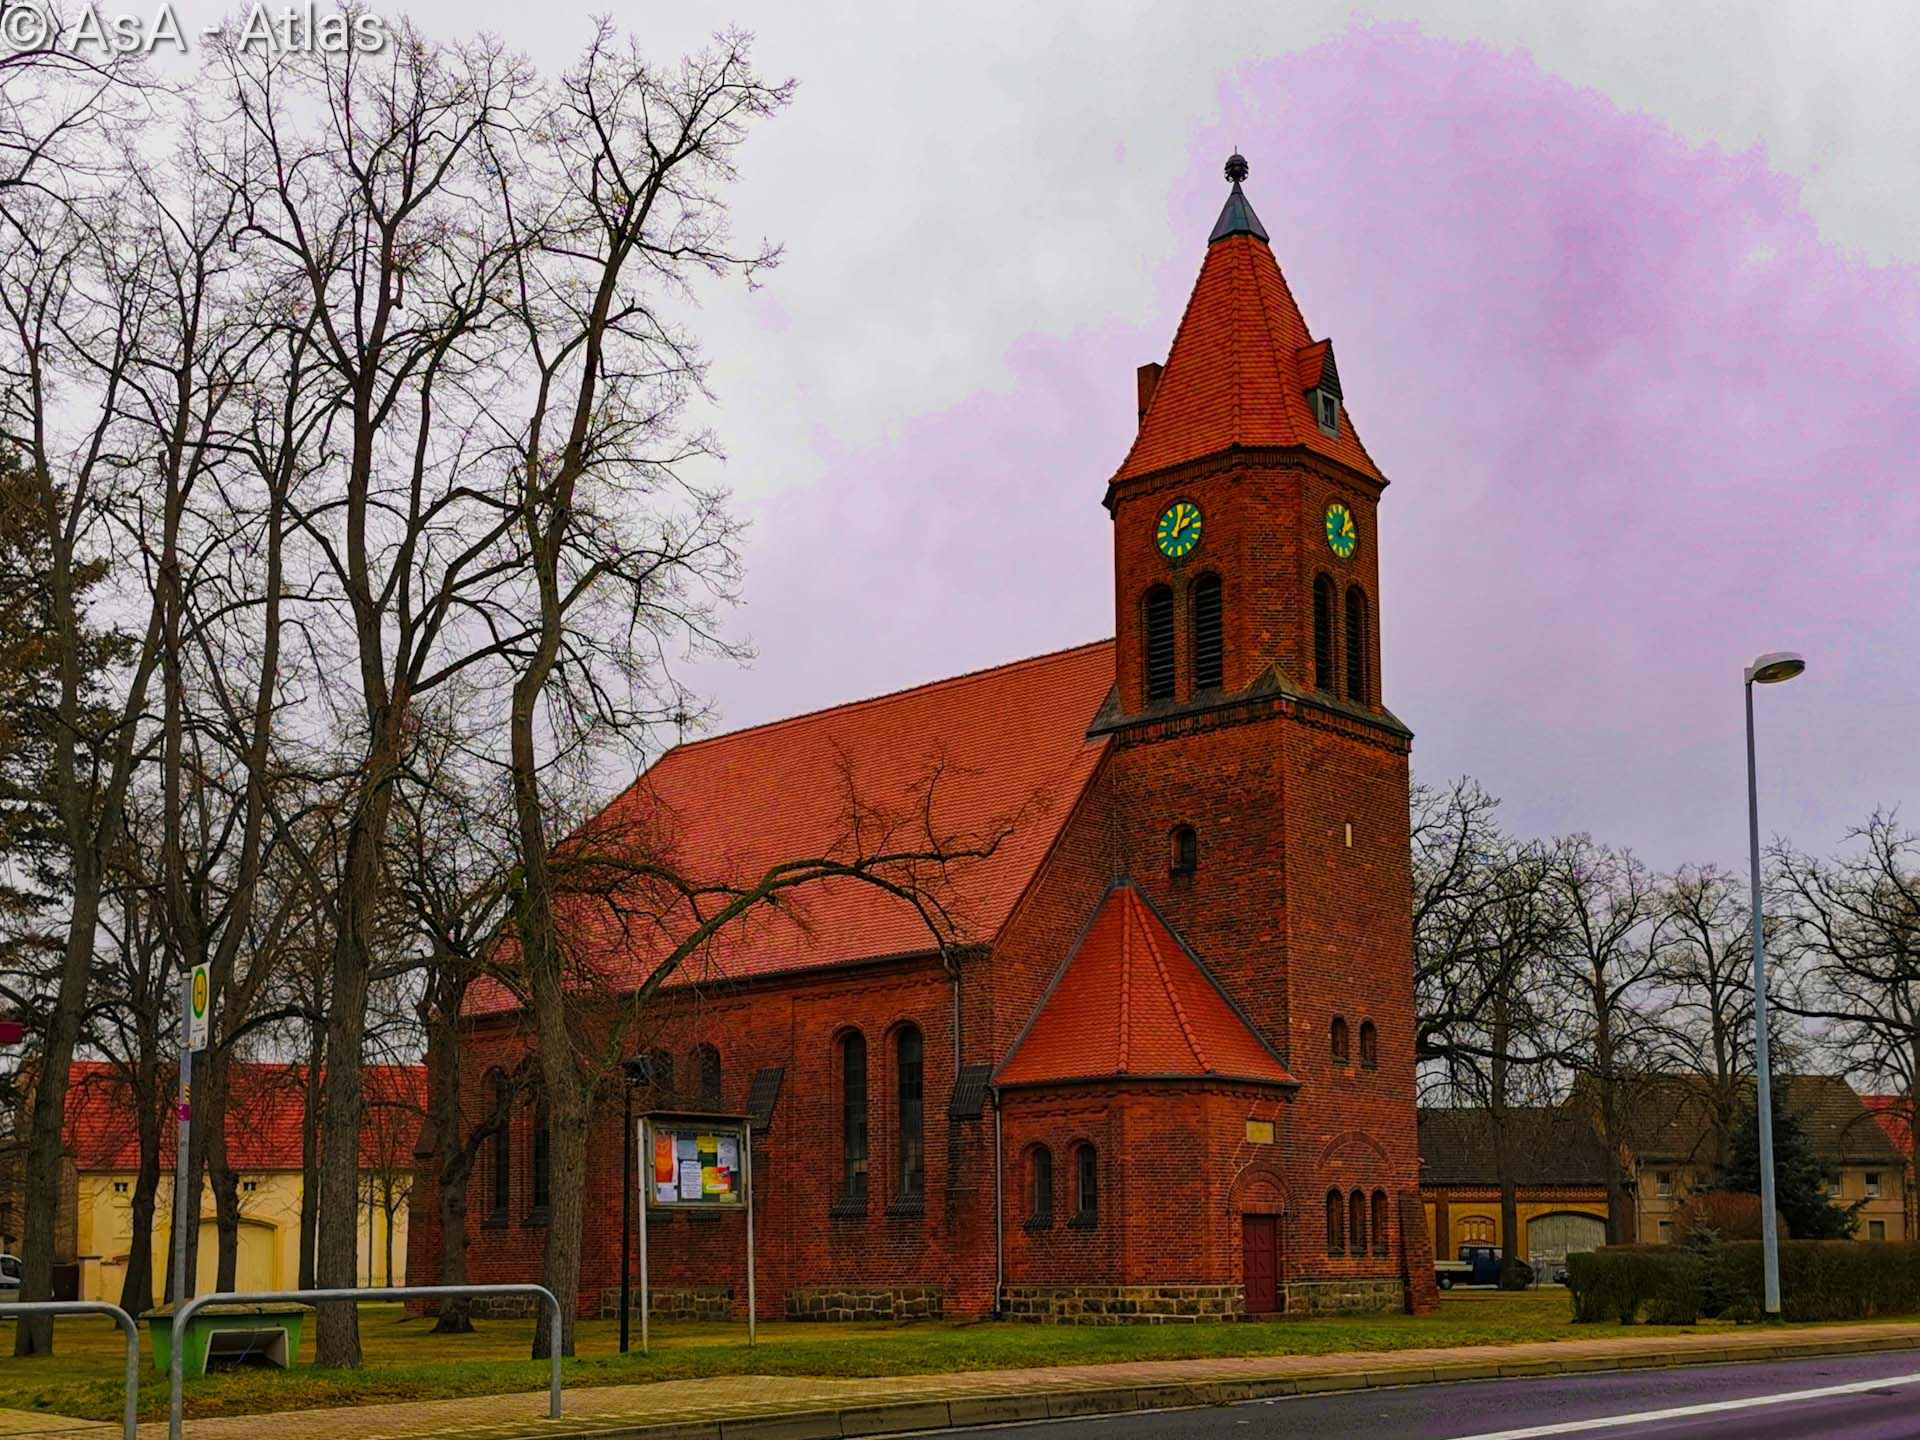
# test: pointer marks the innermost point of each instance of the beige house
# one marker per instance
(1681, 1152)
(265, 1128)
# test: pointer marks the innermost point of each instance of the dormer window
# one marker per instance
(1326, 409)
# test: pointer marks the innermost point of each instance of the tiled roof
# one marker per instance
(1547, 1146)
(1006, 745)
(1894, 1112)
(265, 1108)
(1235, 374)
(1674, 1118)
(1133, 1001)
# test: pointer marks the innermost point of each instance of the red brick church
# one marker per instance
(1173, 1074)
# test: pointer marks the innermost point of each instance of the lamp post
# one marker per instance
(1769, 669)
(632, 1073)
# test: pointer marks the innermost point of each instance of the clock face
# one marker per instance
(1179, 529)
(1341, 536)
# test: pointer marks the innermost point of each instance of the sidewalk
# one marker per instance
(766, 1407)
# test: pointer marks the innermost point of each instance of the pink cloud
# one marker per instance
(1641, 421)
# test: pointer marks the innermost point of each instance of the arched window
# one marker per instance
(1040, 1187)
(1158, 613)
(1209, 643)
(1369, 1046)
(1357, 1222)
(911, 1079)
(1341, 1043)
(1186, 850)
(502, 1177)
(542, 1158)
(1323, 633)
(1086, 1185)
(1336, 1224)
(706, 1071)
(853, 1116)
(1379, 1222)
(1359, 647)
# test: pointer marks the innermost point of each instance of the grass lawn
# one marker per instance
(404, 1361)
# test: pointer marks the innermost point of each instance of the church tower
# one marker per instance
(1260, 781)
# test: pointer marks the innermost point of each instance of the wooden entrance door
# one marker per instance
(1260, 1267)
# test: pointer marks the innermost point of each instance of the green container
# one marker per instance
(218, 1332)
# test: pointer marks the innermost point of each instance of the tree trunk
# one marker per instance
(136, 1287)
(310, 1157)
(34, 1336)
(453, 1154)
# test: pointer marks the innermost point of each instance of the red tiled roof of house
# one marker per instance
(1235, 375)
(1894, 1114)
(999, 746)
(265, 1108)
(1133, 1001)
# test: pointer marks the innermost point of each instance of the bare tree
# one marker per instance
(1608, 953)
(1851, 927)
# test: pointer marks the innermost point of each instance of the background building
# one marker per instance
(265, 1123)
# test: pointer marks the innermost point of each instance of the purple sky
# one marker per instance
(1641, 420)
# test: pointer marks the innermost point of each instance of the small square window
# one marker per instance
(1873, 1184)
(249, 1186)
(1663, 1183)
(1666, 1232)
(119, 1187)
(1326, 409)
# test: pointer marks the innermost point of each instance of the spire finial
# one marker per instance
(1237, 167)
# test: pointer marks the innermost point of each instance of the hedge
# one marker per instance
(1819, 1280)
(1618, 1282)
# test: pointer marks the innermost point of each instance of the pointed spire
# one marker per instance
(1237, 217)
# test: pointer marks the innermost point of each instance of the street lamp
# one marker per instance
(1769, 669)
(633, 1073)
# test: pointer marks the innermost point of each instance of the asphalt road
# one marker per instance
(1878, 1398)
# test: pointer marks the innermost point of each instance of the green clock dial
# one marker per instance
(1179, 529)
(1341, 536)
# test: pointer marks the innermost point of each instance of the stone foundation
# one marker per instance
(1121, 1304)
(1346, 1297)
(696, 1302)
(900, 1302)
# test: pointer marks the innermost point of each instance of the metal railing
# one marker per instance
(187, 1311)
(10, 1310)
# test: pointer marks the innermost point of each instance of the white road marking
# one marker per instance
(1682, 1412)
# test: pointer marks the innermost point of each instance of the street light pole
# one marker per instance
(626, 1206)
(1767, 670)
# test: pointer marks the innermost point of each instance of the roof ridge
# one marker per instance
(1125, 1029)
(1187, 1033)
(940, 683)
(1275, 351)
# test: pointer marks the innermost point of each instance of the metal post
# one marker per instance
(626, 1208)
(181, 1171)
(1769, 1225)
(130, 1417)
(646, 1147)
(182, 1314)
(746, 1174)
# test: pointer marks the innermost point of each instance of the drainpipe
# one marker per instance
(999, 1212)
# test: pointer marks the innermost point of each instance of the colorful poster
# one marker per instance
(665, 1179)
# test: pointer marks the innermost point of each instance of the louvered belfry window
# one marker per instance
(1159, 648)
(1359, 648)
(1323, 633)
(1209, 645)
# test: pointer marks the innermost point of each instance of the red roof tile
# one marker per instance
(1234, 376)
(1133, 1001)
(1007, 743)
(1895, 1116)
(265, 1108)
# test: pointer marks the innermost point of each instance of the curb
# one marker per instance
(907, 1416)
